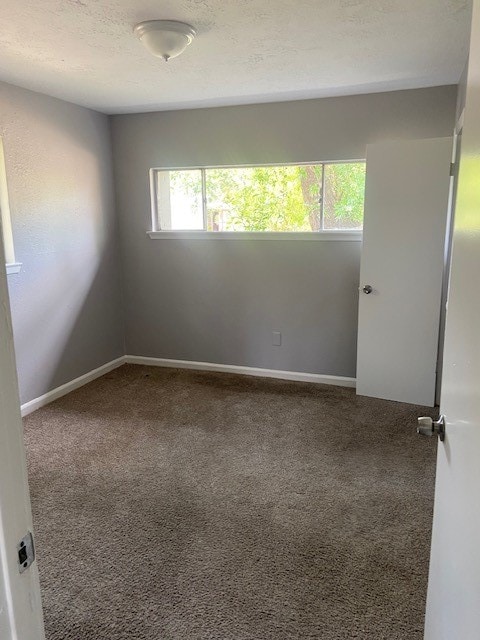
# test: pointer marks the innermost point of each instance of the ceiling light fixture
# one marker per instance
(164, 38)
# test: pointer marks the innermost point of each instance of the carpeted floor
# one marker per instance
(176, 505)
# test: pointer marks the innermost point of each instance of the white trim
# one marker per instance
(13, 267)
(52, 395)
(199, 167)
(297, 376)
(459, 123)
(316, 236)
(5, 217)
(153, 199)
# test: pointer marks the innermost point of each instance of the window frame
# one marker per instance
(6, 231)
(197, 234)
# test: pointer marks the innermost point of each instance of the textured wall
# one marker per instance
(218, 301)
(66, 301)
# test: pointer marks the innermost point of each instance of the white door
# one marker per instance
(20, 606)
(406, 205)
(453, 604)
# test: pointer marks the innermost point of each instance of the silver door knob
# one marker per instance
(367, 289)
(429, 427)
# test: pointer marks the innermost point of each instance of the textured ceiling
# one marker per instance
(246, 50)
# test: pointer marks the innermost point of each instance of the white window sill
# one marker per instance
(316, 236)
(13, 267)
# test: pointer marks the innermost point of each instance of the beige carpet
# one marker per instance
(174, 505)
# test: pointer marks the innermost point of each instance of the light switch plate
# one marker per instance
(276, 339)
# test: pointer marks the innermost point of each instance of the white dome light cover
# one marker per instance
(165, 38)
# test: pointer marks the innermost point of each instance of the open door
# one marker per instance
(20, 605)
(453, 603)
(406, 206)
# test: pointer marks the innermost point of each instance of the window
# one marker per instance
(287, 198)
(6, 224)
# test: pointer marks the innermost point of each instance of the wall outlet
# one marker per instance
(276, 339)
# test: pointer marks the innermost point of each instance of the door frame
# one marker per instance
(456, 150)
(21, 616)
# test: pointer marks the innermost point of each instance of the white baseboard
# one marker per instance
(297, 376)
(52, 395)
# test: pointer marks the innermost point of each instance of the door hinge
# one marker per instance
(25, 552)
(452, 168)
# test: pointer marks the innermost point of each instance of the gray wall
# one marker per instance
(219, 300)
(66, 301)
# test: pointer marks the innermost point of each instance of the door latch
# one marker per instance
(25, 552)
(429, 427)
